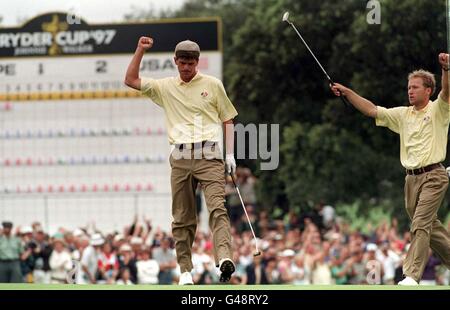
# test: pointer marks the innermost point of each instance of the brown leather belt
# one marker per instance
(423, 169)
(195, 145)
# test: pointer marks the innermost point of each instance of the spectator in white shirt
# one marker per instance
(89, 260)
(60, 261)
(389, 260)
(147, 267)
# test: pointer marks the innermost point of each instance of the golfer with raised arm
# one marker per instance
(423, 129)
(196, 106)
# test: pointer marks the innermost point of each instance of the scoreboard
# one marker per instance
(50, 59)
(76, 144)
(75, 77)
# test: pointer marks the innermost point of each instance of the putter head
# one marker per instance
(286, 17)
(257, 253)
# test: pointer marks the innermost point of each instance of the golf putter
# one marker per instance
(257, 252)
(286, 19)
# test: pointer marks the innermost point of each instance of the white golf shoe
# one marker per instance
(185, 279)
(408, 281)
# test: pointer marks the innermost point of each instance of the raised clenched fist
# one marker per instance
(444, 60)
(145, 43)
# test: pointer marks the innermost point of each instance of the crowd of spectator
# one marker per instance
(312, 248)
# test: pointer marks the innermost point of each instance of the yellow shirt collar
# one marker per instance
(423, 110)
(197, 76)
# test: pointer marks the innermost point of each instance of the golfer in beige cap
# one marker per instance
(196, 106)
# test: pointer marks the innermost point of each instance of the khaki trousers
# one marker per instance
(423, 197)
(187, 171)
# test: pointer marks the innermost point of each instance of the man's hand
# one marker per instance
(132, 78)
(444, 61)
(230, 164)
(338, 89)
(145, 43)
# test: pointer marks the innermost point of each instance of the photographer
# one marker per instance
(41, 253)
(10, 254)
(27, 260)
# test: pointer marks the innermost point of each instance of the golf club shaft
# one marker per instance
(311, 52)
(246, 214)
(343, 99)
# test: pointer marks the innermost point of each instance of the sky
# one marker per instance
(16, 12)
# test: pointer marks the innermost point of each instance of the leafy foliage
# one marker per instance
(327, 151)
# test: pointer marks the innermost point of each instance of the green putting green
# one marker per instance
(4, 286)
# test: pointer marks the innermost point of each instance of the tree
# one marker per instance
(273, 78)
(139, 14)
(328, 151)
(233, 14)
(323, 162)
(378, 58)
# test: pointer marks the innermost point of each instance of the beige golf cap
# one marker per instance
(188, 49)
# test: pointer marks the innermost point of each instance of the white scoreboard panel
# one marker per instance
(75, 77)
(76, 145)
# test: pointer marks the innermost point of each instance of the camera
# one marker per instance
(32, 245)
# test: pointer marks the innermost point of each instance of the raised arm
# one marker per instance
(362, 104)
(444, 61)
(132, 78)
